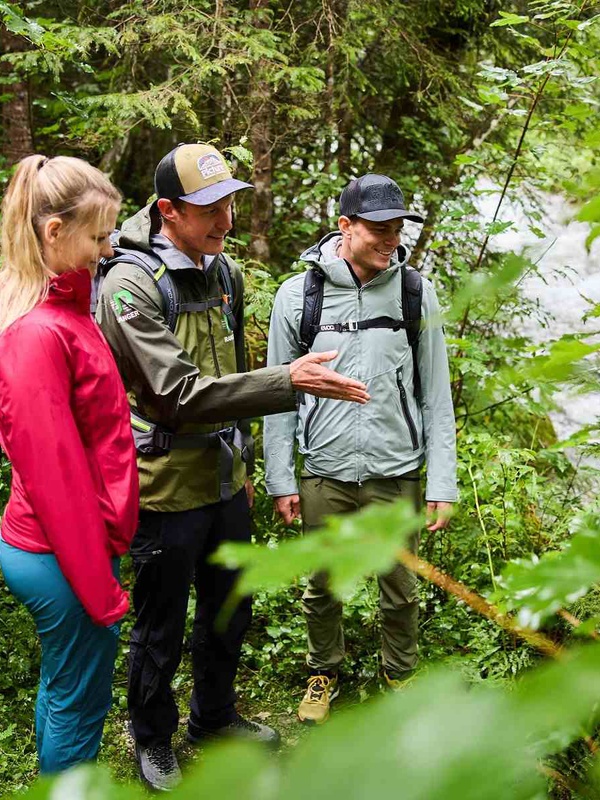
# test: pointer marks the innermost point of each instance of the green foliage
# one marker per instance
(539, 587)
(19, 667)
(348, 548)
(459, 101)
(4, 479)
(414, 735)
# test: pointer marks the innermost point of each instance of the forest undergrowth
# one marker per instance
(458, 100)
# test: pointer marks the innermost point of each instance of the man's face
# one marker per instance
(369, 245)
(197, 230)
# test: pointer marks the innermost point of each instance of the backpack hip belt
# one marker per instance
(153, 440)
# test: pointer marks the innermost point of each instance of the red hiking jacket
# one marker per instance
(64, 425)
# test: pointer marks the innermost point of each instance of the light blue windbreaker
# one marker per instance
(391, 434)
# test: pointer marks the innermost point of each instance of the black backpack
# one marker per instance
(172, 306)
(412, 295)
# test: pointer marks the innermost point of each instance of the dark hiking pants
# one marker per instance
(169, 551)
(398, 597)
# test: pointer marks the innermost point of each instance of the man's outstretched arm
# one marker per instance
(153, 363)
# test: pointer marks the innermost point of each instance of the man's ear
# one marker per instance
(344, 225)
(167, 209)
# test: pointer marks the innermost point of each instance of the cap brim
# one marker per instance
(391, 213)
(204, 197)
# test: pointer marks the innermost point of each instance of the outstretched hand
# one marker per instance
(309, 376)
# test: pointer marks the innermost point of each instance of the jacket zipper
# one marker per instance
(210, 332)
(309, 417)
(406, 411)
(212, 344)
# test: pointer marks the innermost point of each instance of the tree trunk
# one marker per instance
(393, 142)
(344, 150)
(343, 116)
(16, 111)
(262, 144)
(328, 126)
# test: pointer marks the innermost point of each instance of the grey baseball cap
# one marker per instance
(376, 198)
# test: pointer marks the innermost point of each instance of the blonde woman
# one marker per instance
(64, 424)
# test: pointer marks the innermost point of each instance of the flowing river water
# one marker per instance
(569, 277)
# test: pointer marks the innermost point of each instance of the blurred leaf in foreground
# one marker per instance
(439, 740)
(539, 587)
(348, 548)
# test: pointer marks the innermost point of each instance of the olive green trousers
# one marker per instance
(398, 590)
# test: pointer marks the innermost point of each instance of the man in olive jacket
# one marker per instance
(184, 370)
(355, 455)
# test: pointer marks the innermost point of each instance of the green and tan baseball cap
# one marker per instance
(196, 173)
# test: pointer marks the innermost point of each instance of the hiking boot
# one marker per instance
(400, 682)
(240, 728)
(158, 766)
(321, 690)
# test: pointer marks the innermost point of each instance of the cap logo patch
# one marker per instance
(211, 165)
(386, 194)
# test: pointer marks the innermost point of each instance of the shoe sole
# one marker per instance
(151, 787)
(143, 779)
(207, 738)
(313, 722)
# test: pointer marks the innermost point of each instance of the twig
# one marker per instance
(483, 528)
(495, 405)
(575, 622)
(479, 604)
(482, 250)
(536, 99)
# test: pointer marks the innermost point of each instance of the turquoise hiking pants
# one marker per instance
(75, 691)
(398, 590)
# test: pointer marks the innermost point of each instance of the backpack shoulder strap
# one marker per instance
(152, 266)
(227, 285)
(314, 287)
(412, 296)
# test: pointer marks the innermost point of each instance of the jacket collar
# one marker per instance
(72, 286)
(141, 232)
(325, 256)
(173, 258)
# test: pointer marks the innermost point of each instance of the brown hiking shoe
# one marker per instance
(321, 690)
(399, 684)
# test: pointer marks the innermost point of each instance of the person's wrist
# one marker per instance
(292, 369)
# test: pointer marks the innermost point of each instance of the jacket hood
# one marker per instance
(324, 254)
(136, 231)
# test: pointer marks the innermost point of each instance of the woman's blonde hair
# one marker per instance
(41, 188)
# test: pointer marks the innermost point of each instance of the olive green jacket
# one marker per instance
(189, 381)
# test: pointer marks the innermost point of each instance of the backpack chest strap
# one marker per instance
(197, 307)
(351, 326)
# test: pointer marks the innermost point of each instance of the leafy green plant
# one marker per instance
(443, 740)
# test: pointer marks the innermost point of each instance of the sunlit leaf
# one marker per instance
(349, 548)
(590, 211)
(507, 18)
(538, 587)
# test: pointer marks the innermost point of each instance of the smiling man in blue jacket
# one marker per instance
(354, 455)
